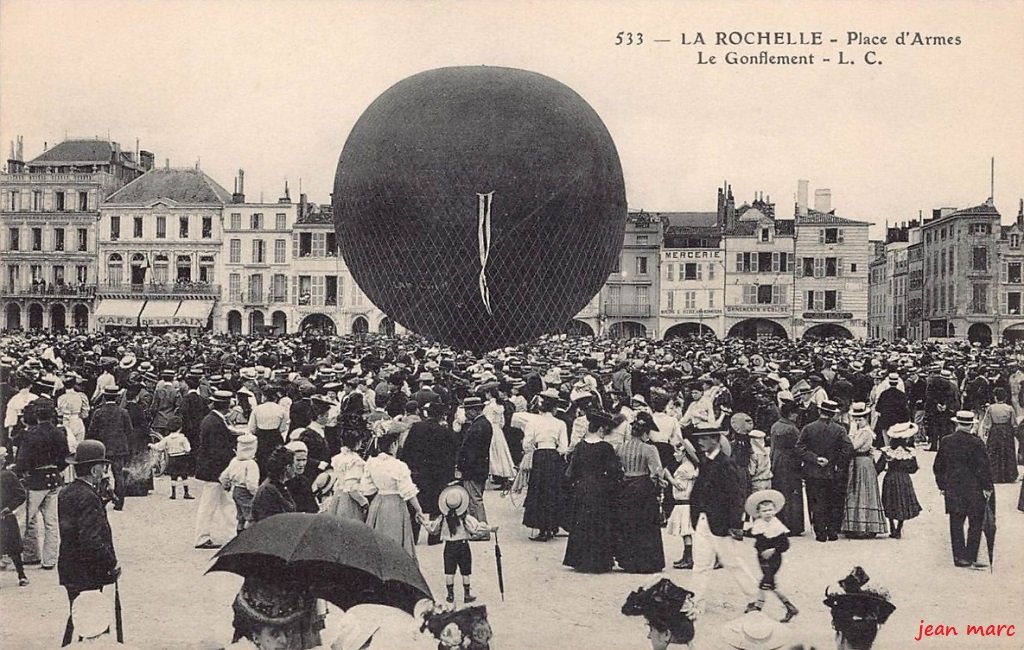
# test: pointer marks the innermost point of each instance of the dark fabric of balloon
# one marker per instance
(480, 207)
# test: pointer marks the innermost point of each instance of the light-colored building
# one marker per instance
(629, 299)
(831, 276)
(693, 276)
(915, 284)
(878, 310)
(48, 230)
(159, 243)
(257, 264)
(961, 265)
(1011, 278)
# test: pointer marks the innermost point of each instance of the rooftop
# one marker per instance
(815, 218)
(80, 152)
(188, 186)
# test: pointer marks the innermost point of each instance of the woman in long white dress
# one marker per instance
(348, 468)
(389, 482)
(502, 467)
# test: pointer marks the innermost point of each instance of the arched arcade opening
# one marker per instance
(757, 328)
(827, 331)
(321, 323)
(627, 329)
(686, 330)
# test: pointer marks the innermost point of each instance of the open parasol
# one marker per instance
(340, 560)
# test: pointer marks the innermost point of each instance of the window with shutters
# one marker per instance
(280, 246)
(280, 288)
(809, 304)
(161, 227)
(256, 221)
(259, 251)
(979, 301)
(341, 289)
(749, 294)
(295, 290)
(831, 236)
(980, 258)
(256, 288)
(183, 227)
(670, 301)
(235, 251)
(58, 239)
(819, 300)
(281, 221)
(235, 287)
(331, 291)
(669, 270)
(981, 228)
(236, 221)
(83, 239)
(819, 267)
(305, 292)
(642, 297)
(711, 270)
(1013, 274)
(1012, 303)
(808, 267)
(764, 262)
(318, 290)
(689, 300)
(332, 244)
(711, 298)
(691, 271)
(319, 244)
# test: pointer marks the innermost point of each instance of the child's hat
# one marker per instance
(246, 445)
(453, 498)
(760, 496)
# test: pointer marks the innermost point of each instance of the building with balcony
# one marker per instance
(960, 250)
(1011, 278)
(628, 301)
(48, 219)
(888, 285)
(324, 296)
(693, 276)
(831, 279)
(159, 246)
(759, 253)
(256, 264)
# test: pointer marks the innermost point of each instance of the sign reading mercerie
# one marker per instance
(671, 255)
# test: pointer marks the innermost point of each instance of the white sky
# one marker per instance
(275, 86)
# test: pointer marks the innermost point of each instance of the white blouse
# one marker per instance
(384, 474)
(348, 469)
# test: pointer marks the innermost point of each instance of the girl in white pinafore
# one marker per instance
(503, 469)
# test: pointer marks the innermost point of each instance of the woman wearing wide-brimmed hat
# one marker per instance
(898, 462)
(863, 516)
(545, 441)
(858, 611)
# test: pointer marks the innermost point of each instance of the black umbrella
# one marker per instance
(497, 562)
(988, 526)
(340, 560)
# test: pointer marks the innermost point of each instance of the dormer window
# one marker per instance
(1014, 240)
(766, 234)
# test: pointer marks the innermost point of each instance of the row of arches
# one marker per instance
(311, 322)
(15, 318)
(751, 328)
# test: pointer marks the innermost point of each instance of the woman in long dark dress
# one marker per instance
(786, 468)
(593, 474)
(545, 440)
(638, 545)
(1000, 423)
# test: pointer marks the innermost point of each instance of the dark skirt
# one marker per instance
(542, 508)
(10, 535)
(898, 496)
(666, 453)
(1001, 456)
(791, 486)
(178, 466)
(638, 547)
(590, 546)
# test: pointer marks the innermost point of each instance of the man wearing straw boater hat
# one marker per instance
(87, 559)
(716, 514)
(964, 477)
(112, 425)
(216, 449)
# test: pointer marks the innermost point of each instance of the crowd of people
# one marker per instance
(612, 441)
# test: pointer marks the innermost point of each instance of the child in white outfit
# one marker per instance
(682, 484)
(178, 451)
(457, 527)
(242, 477)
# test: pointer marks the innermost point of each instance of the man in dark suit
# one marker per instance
(716, 513)
(42, 451)
(112, 425)
(87, 559)
(941, 400)
(192, 408)
(474, 457)
(964, 477)
(426, 394)
(825, 449)
(430, 454)
(216, 449)
(892, 409)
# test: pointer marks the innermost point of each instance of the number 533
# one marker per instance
(629, 38)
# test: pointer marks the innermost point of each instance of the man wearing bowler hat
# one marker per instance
(716, 513)
(825, 448)
(87, 558)
(964, 477)
(473, 464)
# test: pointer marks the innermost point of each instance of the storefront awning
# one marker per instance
(159, 313)
(193, 313)
(123, 313)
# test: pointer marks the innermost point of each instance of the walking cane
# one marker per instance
(118, 622)
(497, 562)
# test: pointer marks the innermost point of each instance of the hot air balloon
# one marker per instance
(480, 207)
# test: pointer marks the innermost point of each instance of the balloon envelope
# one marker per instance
(480, 207)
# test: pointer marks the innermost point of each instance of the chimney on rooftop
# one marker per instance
(802, 188)
(823, 200)
(287, 198)
(1020, 214)
(239, 195)
(147, 160)
(302, 204)
(16, 163)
